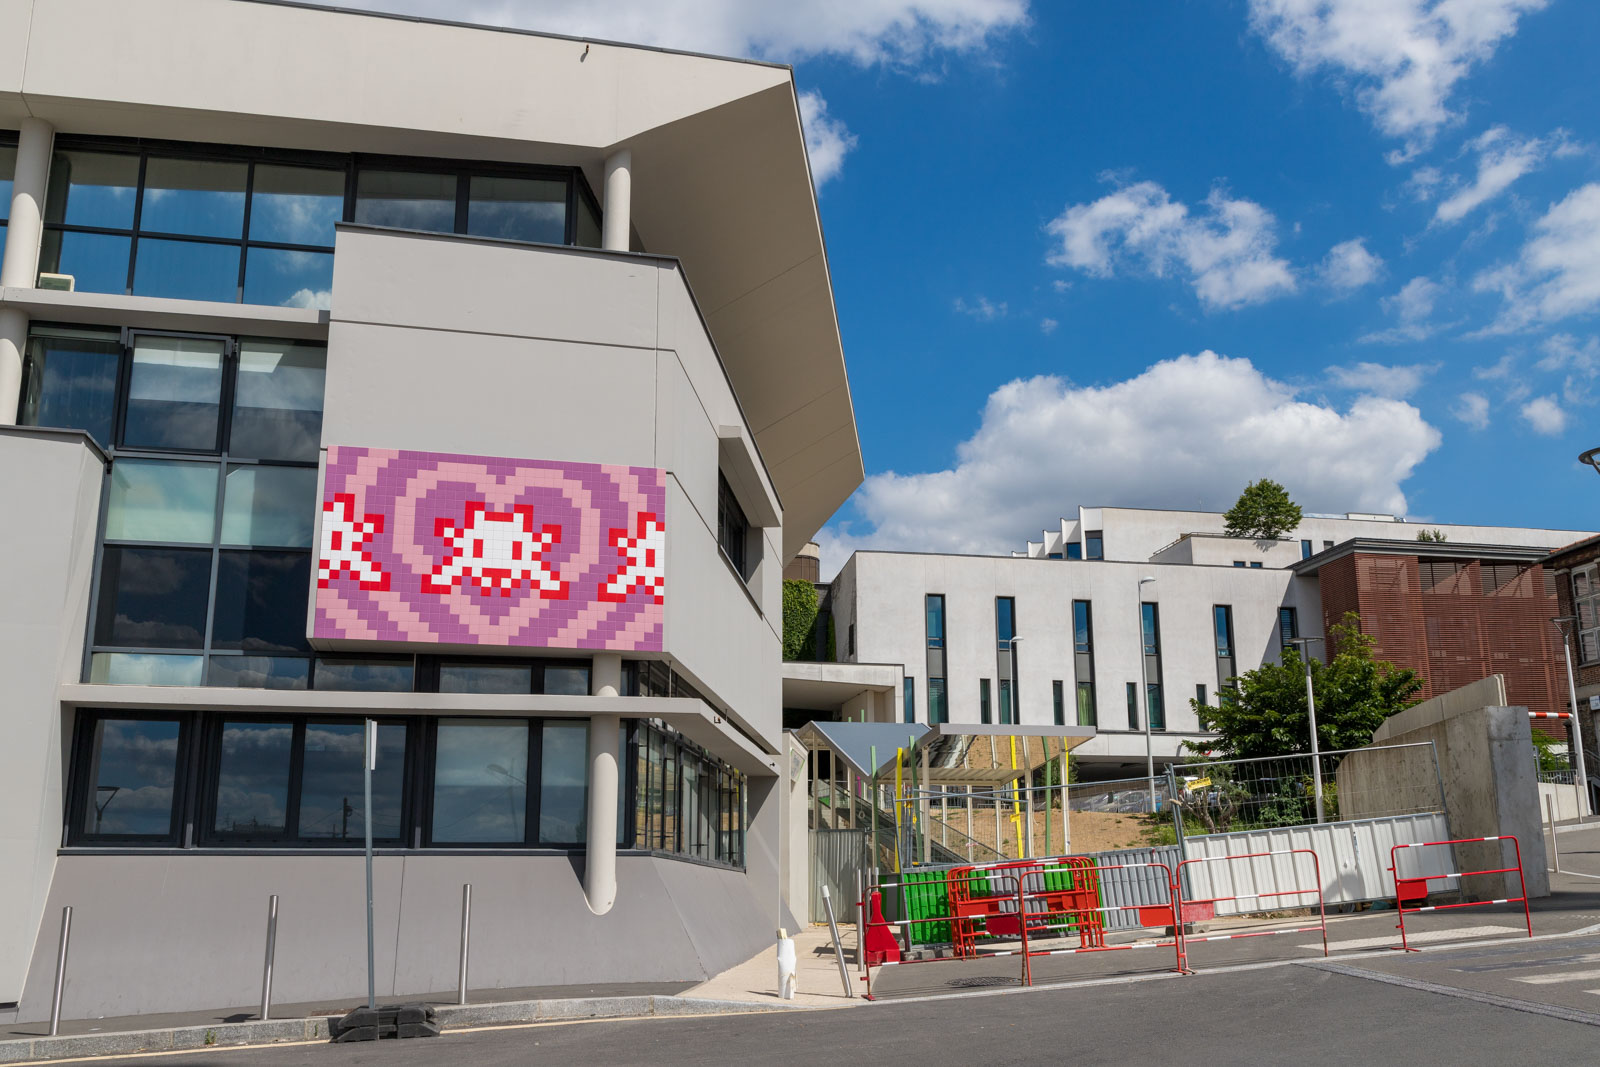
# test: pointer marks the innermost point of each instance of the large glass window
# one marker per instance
(174, 393)
(563, 783)
(938, 701)
(480, 782)
(1288, 626)
(1586, 603)
(8, 167)
(1155, 704)
(908, 699)
(733, 529)
(130, 778)
(298, 781)
(1006, 654)
(206, 550)
(70, 380)
(687, 801)
(224, 224)
(1222, 624)
(985, 713)
(522, 209)
(1083, 660)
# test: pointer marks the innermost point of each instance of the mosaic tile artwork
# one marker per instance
(470, 550)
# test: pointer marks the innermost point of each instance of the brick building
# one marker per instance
(1453, 613)
(1576, 570)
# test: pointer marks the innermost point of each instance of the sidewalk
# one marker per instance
(308, 1022)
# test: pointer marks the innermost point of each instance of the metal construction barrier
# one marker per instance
(1202, 909)
(1416, 887)
(1016, 902)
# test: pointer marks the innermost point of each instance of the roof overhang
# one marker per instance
(946, 754)
(830, 686)
(1371, 546)
(720, 173)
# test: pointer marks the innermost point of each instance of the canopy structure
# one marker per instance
(978, 755)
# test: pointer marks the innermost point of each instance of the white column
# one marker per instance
(617, 219)
(600, 865)
(20, 267)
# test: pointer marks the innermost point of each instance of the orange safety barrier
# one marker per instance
(1203, 908)
(1416, 888)
(1149, 915)
(979, 908)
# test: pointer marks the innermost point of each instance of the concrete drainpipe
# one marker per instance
(20, 268)
(600, 864)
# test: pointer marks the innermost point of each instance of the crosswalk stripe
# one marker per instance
(1552, 977)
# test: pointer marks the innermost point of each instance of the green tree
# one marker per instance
(1264, 712)
(799, 618)
(1263, 511)
(1431, 535)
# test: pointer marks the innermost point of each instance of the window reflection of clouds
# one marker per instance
(253, 777)
(563, 782)
(332, 777)
(296, 205)
(480, 790)
(144, 668)
(136, 764)
(152, 500)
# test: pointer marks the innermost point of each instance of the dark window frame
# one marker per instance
(220, 459)
(349, 165)
(210, 774)
(733, 529)
(78, 784)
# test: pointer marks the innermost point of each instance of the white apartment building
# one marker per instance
(359, 369)
(1109, 588)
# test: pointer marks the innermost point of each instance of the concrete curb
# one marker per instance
(274, 1031)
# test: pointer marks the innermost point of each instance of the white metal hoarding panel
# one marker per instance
(1353, 858)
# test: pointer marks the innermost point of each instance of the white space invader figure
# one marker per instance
(345, 543)
(646, 556)
(497, 551)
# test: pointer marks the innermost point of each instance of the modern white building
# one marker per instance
(1056, 635)
(470, 382)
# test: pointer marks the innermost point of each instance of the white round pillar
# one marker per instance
(20, 267)
(617, 220)
(600, 862)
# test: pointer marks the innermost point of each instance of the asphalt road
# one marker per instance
(1469, 1005)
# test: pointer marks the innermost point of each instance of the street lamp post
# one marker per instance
(1581, 779)
(1311, 713)
(1144, 694)
(1016, 684)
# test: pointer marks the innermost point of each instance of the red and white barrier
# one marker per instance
(1416, 888)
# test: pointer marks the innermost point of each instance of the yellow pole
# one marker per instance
(1016, 808)
(899, 779)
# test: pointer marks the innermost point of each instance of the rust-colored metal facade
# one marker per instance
(1454, 621)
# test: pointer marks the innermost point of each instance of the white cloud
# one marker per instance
(1503, 157)
(896, 32)
(982, 308)
(1557, 273)
(1226, 253)
(1472, 409)
(1048, 326)
(1545, 416)
(1423, 183)
(320, 299)
(1412, 306)
(1349, 266)
(1193, 427)
(1396, 382)
(1498, 370)
(1402, 58)
(1563, 350)
(828, 140)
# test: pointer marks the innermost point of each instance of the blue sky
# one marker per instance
(1144, 253)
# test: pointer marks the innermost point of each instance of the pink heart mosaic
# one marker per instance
(443, 549)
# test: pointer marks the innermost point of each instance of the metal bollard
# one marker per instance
(272, 945)
(466, 934)
(61, 970)
(838, 949)
(1555, 846)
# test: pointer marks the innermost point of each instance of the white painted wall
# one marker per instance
(884, 593)
(1141, 533)
(449, 344)
(51, 485)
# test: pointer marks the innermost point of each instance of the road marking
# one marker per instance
(1552, 1010)
(1513, 965)
(1425, 936)
(1552, 977)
